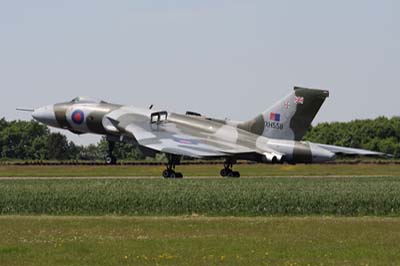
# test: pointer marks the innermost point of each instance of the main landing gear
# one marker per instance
(173, 160)
(227, 171)
(110, 158)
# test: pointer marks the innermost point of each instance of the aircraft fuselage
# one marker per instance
(93, 117)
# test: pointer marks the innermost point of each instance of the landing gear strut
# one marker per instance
(110, 158)
(227, 171)
(173, 160)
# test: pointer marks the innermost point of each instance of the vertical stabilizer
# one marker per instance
(289, 118)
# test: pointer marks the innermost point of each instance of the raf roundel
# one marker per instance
(78, 116)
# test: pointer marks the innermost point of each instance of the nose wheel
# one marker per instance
(173, 160)
(227, 170)
(111, 160)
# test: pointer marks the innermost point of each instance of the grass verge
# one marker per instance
(198, 241)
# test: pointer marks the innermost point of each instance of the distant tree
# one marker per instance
(57, 147)
(122, 150)
(39, 148)
(91, 152)
(3, 123)
(17, 138)
(74, 151)
(380, 134)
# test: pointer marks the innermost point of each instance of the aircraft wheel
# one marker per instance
(224, 172)
(111, 160)
(229, 173)
(171, 174)
(166, 173)
(236, 174)
(233, 174)
(178, 175)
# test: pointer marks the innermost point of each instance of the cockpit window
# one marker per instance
(86, 100)
(75, 100)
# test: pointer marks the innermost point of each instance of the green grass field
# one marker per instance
(282, 196)
(257, 170)
(27, 240)
(284, 215)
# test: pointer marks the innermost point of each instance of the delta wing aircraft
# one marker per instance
(274, 136)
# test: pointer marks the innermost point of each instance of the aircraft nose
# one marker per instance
(45, 115)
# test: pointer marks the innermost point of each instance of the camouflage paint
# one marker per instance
(60, 111)
(94, 120)
(294, 118)
(93, 116)
(255, 126)
(202, 137)
(305, 113)
(302, 153)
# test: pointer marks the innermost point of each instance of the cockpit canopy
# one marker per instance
(81, 99)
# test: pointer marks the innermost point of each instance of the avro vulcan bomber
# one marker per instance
(273, 136)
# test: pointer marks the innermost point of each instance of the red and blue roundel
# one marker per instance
(77, 117)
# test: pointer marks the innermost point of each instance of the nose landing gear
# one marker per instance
(110, 158)
(227, 170)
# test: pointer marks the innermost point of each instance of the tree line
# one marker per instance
(29, 140)
(380, 134)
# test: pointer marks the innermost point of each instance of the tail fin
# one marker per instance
(291, 117)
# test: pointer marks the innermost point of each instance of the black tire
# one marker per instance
(236, 174)
(178, 175)
(224, 172)
(166, 173)
(172, 174)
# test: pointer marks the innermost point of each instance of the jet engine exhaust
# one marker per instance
(273, 158)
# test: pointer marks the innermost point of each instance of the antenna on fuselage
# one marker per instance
(150, 107)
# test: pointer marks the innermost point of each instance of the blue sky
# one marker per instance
(221, 58)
